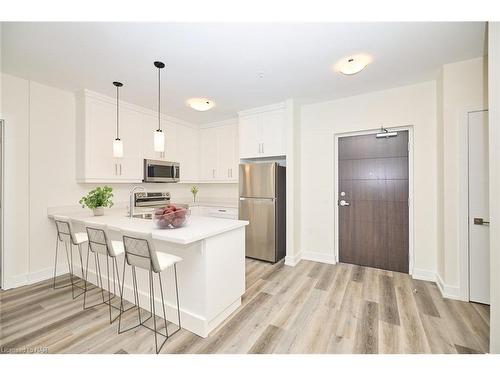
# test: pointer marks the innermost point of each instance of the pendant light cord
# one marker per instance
(159, 95)
(117, 114)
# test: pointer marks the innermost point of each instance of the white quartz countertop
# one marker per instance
(208, 203)
(197, 228)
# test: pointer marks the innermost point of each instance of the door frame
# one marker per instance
(464, 246)
(2, 183)
(408, 128)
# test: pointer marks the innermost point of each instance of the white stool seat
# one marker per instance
(80, 237)
(167, 260)
(118, 247)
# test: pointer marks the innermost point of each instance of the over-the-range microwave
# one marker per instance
(161, 171)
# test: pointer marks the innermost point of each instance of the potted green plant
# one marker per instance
(194, 191)
(97, 199)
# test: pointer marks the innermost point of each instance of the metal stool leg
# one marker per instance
(121, 297)
(163, 306)
(85, 277)
(177, 296)
(69, 256)
(98, 268)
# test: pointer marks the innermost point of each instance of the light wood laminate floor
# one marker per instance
(310, 308)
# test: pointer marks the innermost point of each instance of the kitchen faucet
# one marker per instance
(131, 199)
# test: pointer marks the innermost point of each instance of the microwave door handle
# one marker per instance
(173, 171)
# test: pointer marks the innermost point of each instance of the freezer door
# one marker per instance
(258, 180)
(260, 234)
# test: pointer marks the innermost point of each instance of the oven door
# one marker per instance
(161, 171)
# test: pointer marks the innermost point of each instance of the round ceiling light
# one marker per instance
(353, 64)
(201, 104)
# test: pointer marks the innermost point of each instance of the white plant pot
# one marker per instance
(98, 211)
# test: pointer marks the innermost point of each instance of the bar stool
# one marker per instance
(69, 237)
(99, 243)
(140, 252)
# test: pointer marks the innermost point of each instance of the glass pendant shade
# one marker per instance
(117, 148)
(159, 141)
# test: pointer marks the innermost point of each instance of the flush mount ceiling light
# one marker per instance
(159, 137)
(353, 64)
(200, 104)
(117, 143)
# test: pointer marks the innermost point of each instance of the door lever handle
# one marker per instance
(343, 203)
(480, 221)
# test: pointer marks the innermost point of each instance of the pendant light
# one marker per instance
(117, 143)
(159, 138)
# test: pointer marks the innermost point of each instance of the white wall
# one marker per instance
(15, 94)
(464, 87)
(410, 105)
(293, 250)
(494, 128)
(40, 173)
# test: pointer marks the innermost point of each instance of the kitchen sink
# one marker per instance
(145, 215)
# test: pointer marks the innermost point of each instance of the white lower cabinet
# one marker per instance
(220, 212)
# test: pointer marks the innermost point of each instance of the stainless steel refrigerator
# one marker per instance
(263, 203)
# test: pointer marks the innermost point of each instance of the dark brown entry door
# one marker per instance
(373, 201)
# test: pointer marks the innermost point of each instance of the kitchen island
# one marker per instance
(211, 275)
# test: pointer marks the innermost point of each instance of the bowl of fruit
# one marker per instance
(171, 217)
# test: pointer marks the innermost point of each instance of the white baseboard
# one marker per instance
(319, 257)
(17, 281)
(421, 274)
(448, 291)
(292, 261)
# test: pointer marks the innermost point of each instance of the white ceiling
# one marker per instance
(223, 61)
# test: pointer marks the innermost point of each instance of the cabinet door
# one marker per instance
(188, 152)
(169, 132)
(208, 154)
(250, 134)
(150, 124)
(273, 133)
(225, 146)
(101, 131)
(236, 155)
(131, 165)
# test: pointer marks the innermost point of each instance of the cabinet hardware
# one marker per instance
(480, 221)
(213, 173)
(116, 169)
(120, 169)
(263, 147)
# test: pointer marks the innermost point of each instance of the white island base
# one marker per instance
(211, 276)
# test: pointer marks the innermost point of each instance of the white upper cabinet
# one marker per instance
(187, 153)
(262, 132)
(205, 155)
(96, 130)
(250, 138)
(208, 154)
(273, 133)
(150, 125)
(219, 153)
